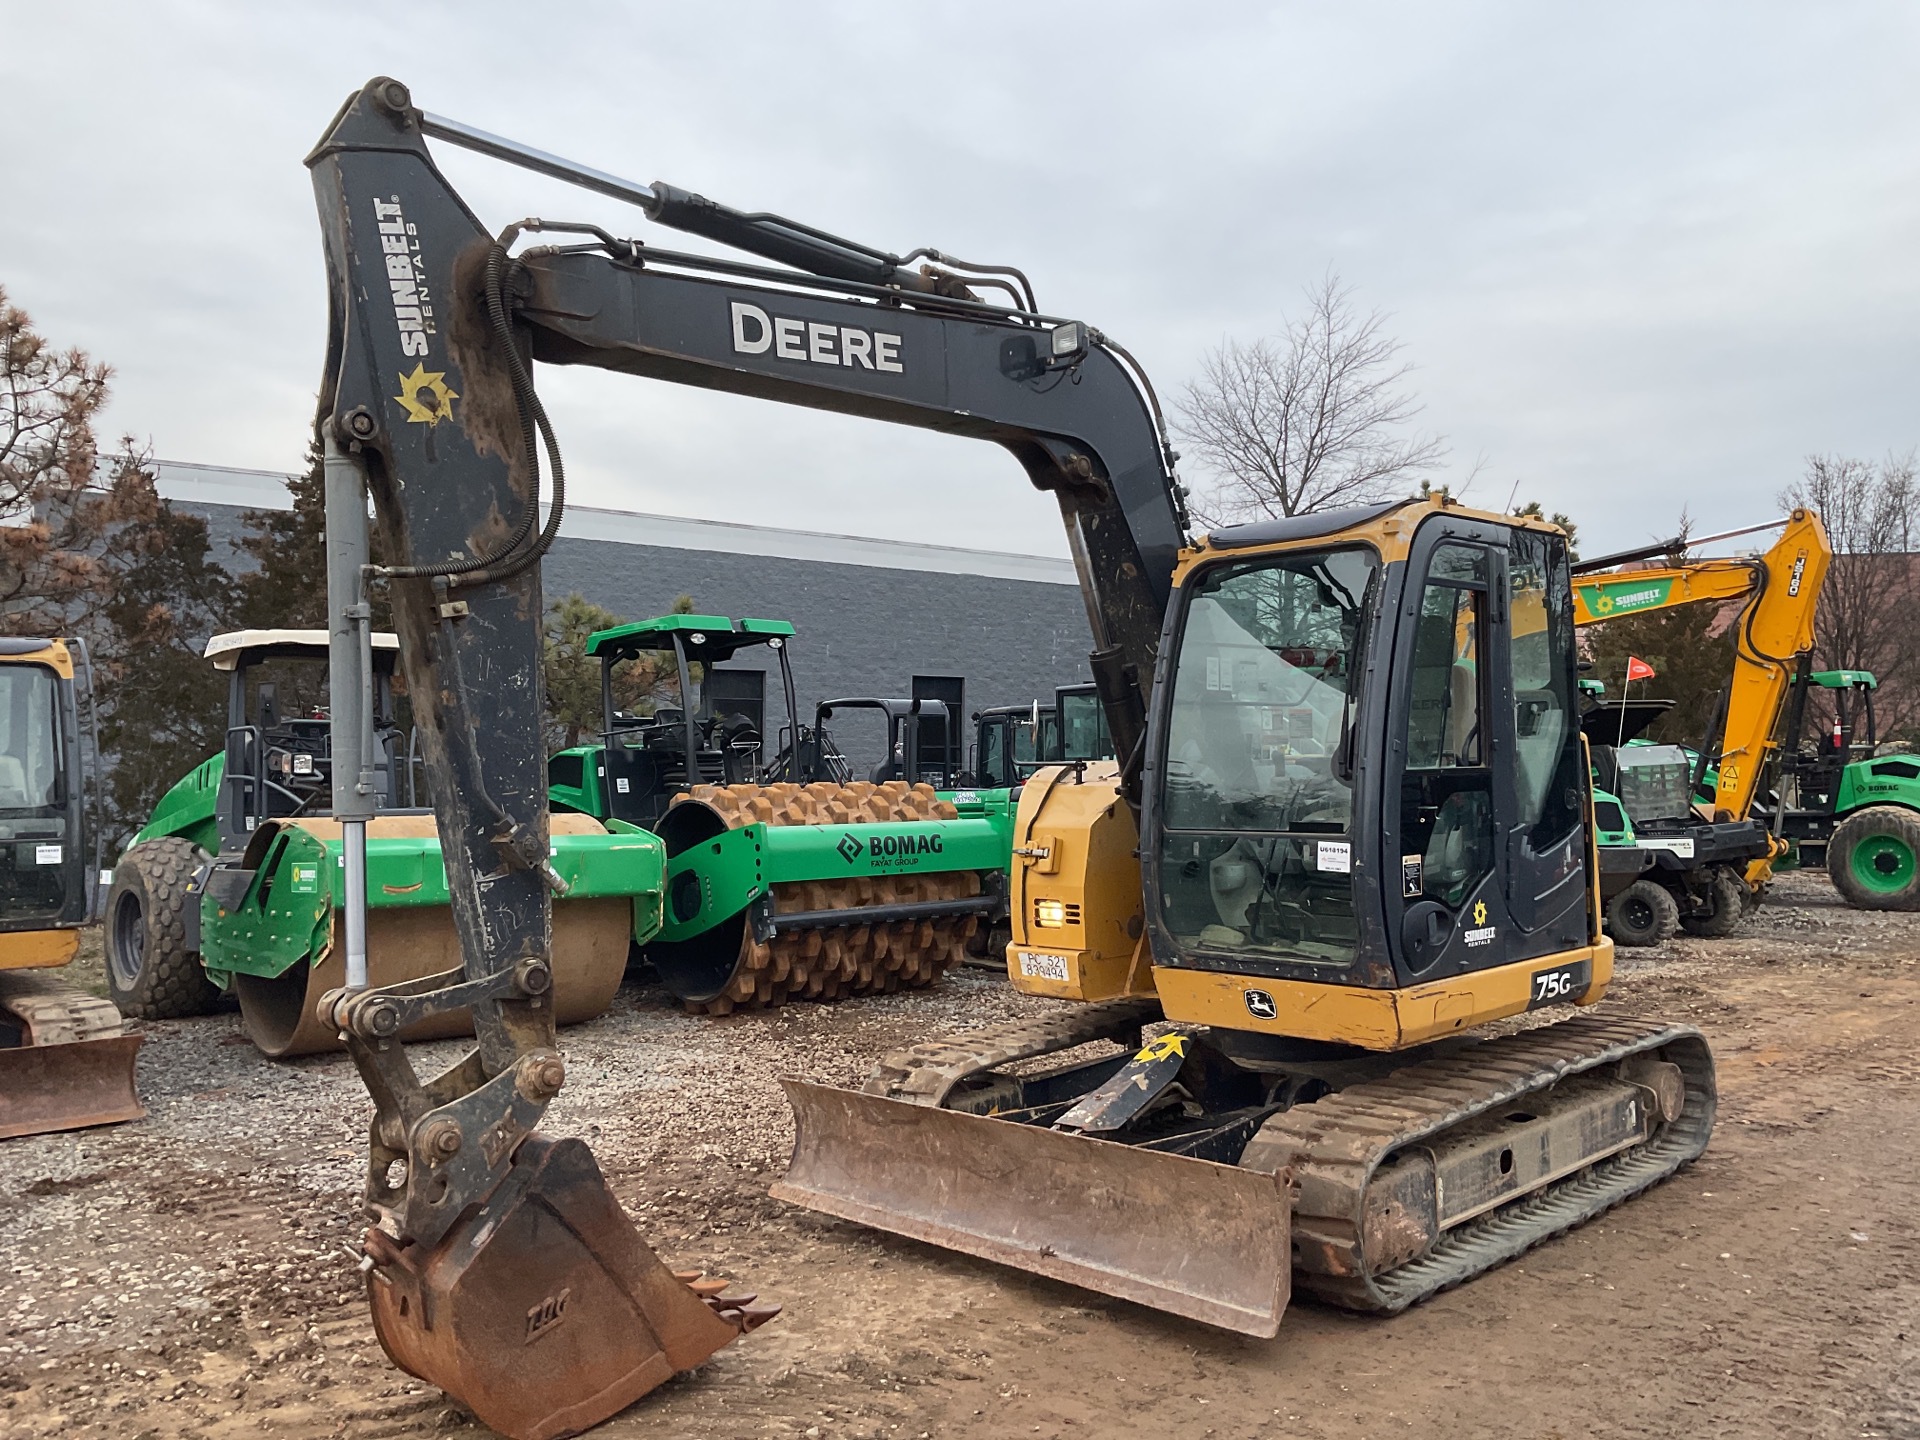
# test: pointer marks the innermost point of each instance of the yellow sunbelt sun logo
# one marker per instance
(1482, 933)
(426, 396)
(1603, 604)
(1163, 1048)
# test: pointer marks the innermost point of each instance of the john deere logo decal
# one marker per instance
(1260, 1005)
(425, 397)
(850, 848)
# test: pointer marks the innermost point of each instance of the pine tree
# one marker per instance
(286, 586)
(66, 529)
(164, 706)
(573, 677)
(1692, 665)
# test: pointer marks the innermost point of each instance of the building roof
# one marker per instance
(267, 490)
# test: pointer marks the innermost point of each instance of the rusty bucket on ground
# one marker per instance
(1197, 1238)
(544, 1312)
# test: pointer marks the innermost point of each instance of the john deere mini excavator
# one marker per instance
(786, 875)
(1350, 822)
(66, 1060)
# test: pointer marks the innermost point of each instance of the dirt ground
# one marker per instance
(188, 1274)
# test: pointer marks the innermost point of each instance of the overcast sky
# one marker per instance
(1643, 255)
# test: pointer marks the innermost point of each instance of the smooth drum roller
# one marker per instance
(590, 940)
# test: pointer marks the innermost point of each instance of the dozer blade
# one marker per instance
(65, 1061)
(1199, 1239)
(44, 1088)
(544, 1312)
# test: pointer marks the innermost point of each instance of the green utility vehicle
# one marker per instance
(235, 885)
(1663, 866)
(786, 876)
(1839, 801)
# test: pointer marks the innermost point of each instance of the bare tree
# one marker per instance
(63, 533)
(1307, 420)
(1866, 615)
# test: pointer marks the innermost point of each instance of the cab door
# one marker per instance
(1544, 838)
(1484, 822)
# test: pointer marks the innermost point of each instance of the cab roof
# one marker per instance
(1843, 679)
(237, 647)
(707, 636)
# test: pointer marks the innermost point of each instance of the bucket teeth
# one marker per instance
(740, 1311)
(856, 960)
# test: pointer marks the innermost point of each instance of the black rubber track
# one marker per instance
(1334, 1145)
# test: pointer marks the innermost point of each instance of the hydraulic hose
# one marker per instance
(515, 555)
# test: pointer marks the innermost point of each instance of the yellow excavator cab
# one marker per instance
(65, 1059)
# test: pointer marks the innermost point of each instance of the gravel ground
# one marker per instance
(189, 1274)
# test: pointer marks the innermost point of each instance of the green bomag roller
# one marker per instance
(786, 877)
(236, 884)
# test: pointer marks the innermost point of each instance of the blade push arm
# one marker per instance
(1775, 627)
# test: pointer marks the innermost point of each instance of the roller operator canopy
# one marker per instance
(248, 647)
(709, 637)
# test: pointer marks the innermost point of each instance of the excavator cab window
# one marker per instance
(1256, 853)
(1447, 793)
(1083, 726)
(29, 739)
(34, 879)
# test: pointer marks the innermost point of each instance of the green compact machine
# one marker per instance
(787, 875)
(1013, 741)
(1663, 865)
(1839, 802)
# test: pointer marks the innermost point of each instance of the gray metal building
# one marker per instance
(871, 615)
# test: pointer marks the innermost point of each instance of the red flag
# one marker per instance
(1638, 669)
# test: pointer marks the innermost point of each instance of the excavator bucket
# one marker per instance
(544, 1312)
(64, 1062)
(1193, 1237)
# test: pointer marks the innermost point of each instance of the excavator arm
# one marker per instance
(428, 407)
(1775, 628)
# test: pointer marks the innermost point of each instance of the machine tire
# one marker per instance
(1874, 859)
(1726, 900)
(151, 975)
(1643, 914)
